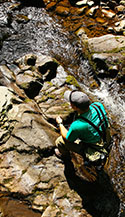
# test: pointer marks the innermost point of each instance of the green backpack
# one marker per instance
(95, 152)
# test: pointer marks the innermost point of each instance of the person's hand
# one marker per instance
(59, 120)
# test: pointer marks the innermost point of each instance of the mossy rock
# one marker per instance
(72, 81)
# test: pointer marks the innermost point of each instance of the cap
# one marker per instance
(78, 98)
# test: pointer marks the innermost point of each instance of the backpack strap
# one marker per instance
(103, 132)
(102, 121)
(106, 123)
(93, 125)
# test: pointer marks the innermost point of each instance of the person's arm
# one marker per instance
(63, 130)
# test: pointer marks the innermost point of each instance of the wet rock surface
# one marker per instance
(101, 27)
(30, 170)
(33, 80)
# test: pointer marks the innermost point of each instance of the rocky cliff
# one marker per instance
(33, 182)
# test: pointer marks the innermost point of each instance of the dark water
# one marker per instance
(40, 34)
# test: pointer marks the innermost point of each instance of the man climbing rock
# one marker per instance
(89, 133)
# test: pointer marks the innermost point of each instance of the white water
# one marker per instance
(113, 103)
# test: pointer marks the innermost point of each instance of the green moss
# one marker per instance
(72, 81)
(24, 85)
(49, 83)
(51, 96)
(27, 100)
(6, 181)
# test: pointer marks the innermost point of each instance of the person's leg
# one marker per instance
(60, 144)
(65, 147)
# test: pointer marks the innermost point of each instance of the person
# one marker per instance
(89, 134)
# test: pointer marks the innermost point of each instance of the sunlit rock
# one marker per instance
(62, 11)
(108, 13)
(120, 8)
(90, 3)
(91, 11)
(120, 26)
(81, 10)
(81, 3)
(6, 73)
(5, 97)
(106, 43)
(51, 6)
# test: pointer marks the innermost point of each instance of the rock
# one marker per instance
(91, 11)
(122, 2)
(108, 13)
(120, 26)
(120, 8)
(15, 69)
(100, 20)
(37, 70)
(80, 11)
(105, 62)
(51, 6)
(81, 3)
(62, 11)
(60, 77)
(6, 73)
(5, 97)
(81, 33)
(106, 43)
(90, 3)
(30, 85)
(47, 66)
(107, 51)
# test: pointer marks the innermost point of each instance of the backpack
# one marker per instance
(95, 151)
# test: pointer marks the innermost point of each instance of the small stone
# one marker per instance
(81, 3)
(108, 13)
(120, 8)
(90, 3)
(100, 20)
(81, 10)
(6, 72)
(110, 29)
(62, 11)
(119, 26)
(122, 2)
(51, 6)
(91, 11)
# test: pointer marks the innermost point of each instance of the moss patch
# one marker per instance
(72, 81)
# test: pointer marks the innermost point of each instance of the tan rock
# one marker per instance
(51, 6)
(7, 73)
(5, 97)
(106, 43)
(120, 8)
(81, 10)
(108, 13)
(91, 11)
(51, 209)
(120, 26)
(81, 3)
(62, 11)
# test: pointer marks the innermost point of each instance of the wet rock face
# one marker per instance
(32, 96)
(29, 169)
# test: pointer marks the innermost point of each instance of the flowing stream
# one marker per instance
(40, 34)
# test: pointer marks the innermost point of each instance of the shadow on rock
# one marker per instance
(98, 197)
(33, 3)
